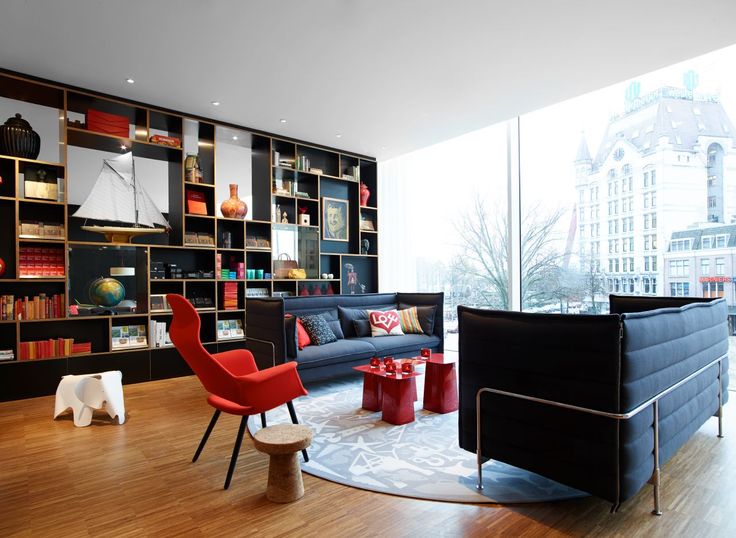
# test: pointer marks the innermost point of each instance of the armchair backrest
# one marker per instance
(184, 333)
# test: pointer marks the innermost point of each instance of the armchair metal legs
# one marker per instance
(654, 480)
(207, 433)
(236, 450)
(239, 439)
(294, 420)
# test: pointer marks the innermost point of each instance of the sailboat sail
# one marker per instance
(113, 196)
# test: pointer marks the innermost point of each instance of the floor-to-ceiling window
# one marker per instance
(630, 189)
(443, 222)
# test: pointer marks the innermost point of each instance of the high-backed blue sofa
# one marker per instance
(268, 335)
(595, 402)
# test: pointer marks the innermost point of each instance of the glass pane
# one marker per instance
(443, 215)
(107, 280)
(628, 190)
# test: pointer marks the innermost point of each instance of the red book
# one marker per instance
(196, 203)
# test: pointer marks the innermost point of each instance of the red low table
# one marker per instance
(393, 394)
(440, 387)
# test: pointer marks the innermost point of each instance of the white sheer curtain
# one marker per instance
(422, 198)
(397, 261)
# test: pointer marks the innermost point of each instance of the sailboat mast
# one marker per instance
(135, 191)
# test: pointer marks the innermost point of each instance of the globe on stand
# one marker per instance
(106, 292)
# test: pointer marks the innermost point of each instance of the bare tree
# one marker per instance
(485, 254)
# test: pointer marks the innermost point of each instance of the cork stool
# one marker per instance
(283, 442)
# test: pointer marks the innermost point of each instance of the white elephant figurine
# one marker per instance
(87, 392)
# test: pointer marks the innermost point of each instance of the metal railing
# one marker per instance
(654, 402)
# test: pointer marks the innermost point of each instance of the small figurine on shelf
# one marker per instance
(192, 168)
(284, 218)
(365, 246)
(352, 277)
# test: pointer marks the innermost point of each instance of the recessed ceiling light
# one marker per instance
(215, 103)
(338, 135)
(282, 120)
(235, 137)
(123, 148)
(383, 147)
(130, 80)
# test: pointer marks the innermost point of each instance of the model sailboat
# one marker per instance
(118, 197)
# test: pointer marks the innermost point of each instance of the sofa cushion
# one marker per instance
(336, 328)
(390, 345)
(362, 327)
(318, 329)
(348, 315)
(338, 351)
(302, 336)
(410, 321)
(426, 315)
(384, 323)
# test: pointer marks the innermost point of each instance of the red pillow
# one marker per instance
(302, 336)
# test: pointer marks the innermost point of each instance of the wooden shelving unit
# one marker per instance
(255, 242)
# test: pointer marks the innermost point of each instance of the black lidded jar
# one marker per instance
(18, 139)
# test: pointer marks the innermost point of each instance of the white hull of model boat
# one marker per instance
(122, 234)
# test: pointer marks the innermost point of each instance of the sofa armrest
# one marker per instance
(265, 331)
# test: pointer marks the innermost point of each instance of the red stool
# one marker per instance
(440, 387)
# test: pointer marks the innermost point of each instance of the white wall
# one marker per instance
(44, 120)
(233, 165)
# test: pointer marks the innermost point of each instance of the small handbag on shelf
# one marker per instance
(283, 266)
(297, 273)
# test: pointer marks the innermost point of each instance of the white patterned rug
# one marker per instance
(422, 459)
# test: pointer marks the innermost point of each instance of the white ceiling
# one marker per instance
(398, 74)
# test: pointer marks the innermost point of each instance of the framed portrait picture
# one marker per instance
(335, 222)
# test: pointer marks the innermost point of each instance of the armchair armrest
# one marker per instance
(237, 361)
(269, 388)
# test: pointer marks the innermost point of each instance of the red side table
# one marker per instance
(440, 387)
(372, 390)
(394, 395)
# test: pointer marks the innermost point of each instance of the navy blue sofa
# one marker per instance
(594, 402)
(267, 338)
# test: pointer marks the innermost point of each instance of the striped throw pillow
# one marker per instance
(410, 321)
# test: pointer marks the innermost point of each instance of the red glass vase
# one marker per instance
(365, 194)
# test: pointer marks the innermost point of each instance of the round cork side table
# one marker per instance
(282, 443)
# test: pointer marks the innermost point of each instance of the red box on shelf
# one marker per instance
(170, 141)
(196, 203)
(105, 123)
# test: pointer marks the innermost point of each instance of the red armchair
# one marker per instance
(234, 383)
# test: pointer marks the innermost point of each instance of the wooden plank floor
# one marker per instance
(138, 480)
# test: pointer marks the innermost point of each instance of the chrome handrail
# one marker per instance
(273, 347)
(653, 401)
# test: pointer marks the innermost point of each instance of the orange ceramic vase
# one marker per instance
(234, 207)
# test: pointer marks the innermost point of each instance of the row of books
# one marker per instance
(7, 355)
(230, 296)
(199, 238)
(127, 336)
(53, 347)
(38, 307)
(159, 334)
(227, 329)
(41, 262)
(41, 230)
